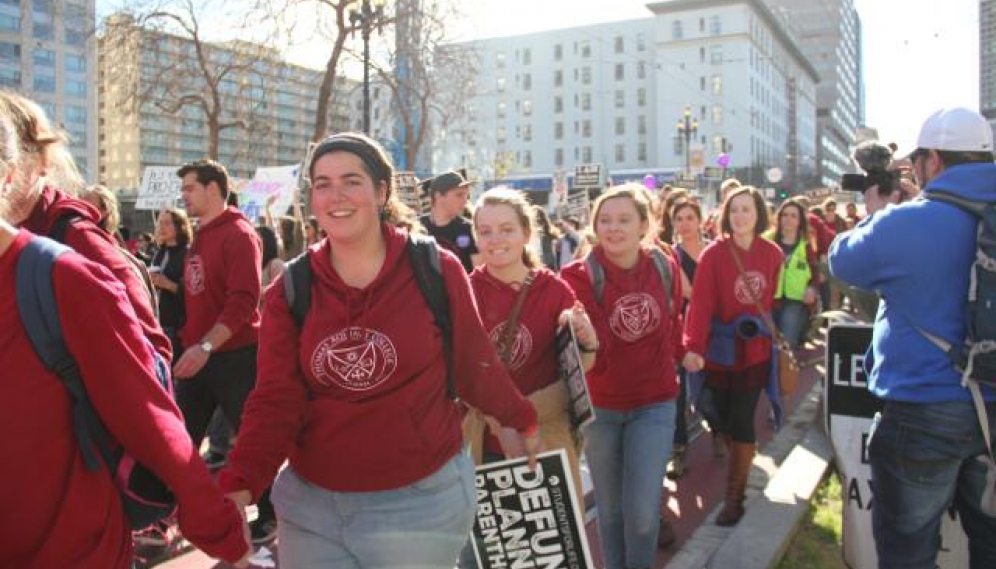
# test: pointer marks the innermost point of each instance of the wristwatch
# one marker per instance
(207, 346)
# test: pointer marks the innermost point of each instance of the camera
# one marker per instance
(874, 158)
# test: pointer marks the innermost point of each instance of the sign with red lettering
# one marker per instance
(529, 518)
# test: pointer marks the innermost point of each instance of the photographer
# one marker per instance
(918, 256)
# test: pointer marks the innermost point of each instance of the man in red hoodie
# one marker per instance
(221, 288)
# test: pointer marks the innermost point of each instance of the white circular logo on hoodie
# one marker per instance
(357, 359)
(194, 275)
(522, 344)
(634, 316)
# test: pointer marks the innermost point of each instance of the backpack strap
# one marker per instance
(973, 207)
(597, 274)
(297, 287)
(40, 319)
(57, 232)
(424, 254)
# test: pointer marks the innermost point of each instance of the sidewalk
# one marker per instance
(693, 500)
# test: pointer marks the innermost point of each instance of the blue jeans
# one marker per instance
(792, 319)
(922, 458)
(627, 453)
(419, 526)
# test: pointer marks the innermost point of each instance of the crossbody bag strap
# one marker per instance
(776, 335)
(512, 324)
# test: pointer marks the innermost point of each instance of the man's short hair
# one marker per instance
(207, 171)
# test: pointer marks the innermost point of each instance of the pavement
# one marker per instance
(784, 477)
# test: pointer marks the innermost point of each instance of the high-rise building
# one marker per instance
(267, 106)
(613, 94)
(47, 53)
(828, 33)
(987, 58)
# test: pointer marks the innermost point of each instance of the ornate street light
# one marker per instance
(364, 18)
(688, 127)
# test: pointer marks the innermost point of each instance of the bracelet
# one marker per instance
(532, 431)
(585, 350)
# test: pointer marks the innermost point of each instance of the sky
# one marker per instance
(919, 55)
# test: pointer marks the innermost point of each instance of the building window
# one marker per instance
(641, 70)
(586, 154)
(500, 60)
(586, 75)
(10, 23)
(620, 72)
(558, 130)
(558, 78)
(586, 49)
(44, 84)
(619, 44)
(701, 24)
(558, 157)
(43, 57)
(701, 83)
(10, 78)
(641, 42)
(10, 52)
(558, 52)
(500, 134)
(500, 85)
(620, 125)
(701, 55)
(620, 98)
(620, 153)
(74, 37)
(586, 128)
(527, 108)
(74, 63)
(641, 152)
(715, 25)
(75, 114)
(558, 104)
(717, 84)
(641, 124)
(527, 56)
(585, 101)
(716, 54)
(717, 144)
(501, 110)
(676, 33)
(527, 132)
(641, 97)
(527, 82)
(527, 159)
(717, 114)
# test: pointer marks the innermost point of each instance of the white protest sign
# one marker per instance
(559, 186)
(278, 180)
(850, 408)
(578, 205)
(571, 371)
(529, 518)
(160, 188)
(408, 190)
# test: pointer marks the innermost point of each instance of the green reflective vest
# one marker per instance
(795, 274)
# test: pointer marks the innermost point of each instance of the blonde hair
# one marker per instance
(503, 195)
(107, 203)
(39, 145)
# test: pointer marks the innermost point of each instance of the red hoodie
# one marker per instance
(89, 240)
(824, 234)
(55, 512)
(533, 358)
(719, 292)
(221, 281)
(363, 407)
(639, 338)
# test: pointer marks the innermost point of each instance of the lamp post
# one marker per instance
(364, 18)
(687, 127)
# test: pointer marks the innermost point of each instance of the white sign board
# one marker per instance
(588, 176)
(559, 187)
(408, 190)
(577, 206)
(279, 181)
(160, 188)
(850, 408)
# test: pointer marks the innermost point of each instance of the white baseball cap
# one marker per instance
(957, 129)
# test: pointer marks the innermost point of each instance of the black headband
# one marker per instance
(346, 142)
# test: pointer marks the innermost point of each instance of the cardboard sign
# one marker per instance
(160, 188)
(281, 181)
(408, 189)
(572, 374)
(529, 518)
(850, 408)
(578, 205)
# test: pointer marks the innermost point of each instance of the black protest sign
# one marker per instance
(847, 383)
(572, 374)
(529, 518)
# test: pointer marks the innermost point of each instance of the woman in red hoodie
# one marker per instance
(726, 335)
(55, 510)
(633, 384)
(356, 398)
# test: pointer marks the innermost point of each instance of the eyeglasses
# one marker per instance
(918, 154)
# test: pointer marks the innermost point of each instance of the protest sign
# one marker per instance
(281, 181)
(572, 374)
(408, 189)
(850, 408)
(588, 176)
(529, 518)
(160, 188)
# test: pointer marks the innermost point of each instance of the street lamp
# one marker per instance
(364, 18)
(687, 127)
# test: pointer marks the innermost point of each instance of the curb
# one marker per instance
(784, 476)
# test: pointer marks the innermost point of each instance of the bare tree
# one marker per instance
(164, 54)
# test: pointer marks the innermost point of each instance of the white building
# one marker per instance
(613, 94)
(48, 54)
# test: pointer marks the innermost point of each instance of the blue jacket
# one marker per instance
(918, 256)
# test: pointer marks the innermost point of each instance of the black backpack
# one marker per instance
(424, 254)
(145, 497)
(976, 359)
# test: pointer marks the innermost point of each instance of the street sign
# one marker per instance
(850, 408)
(588, 176)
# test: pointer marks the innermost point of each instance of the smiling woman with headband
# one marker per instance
(356, 395)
